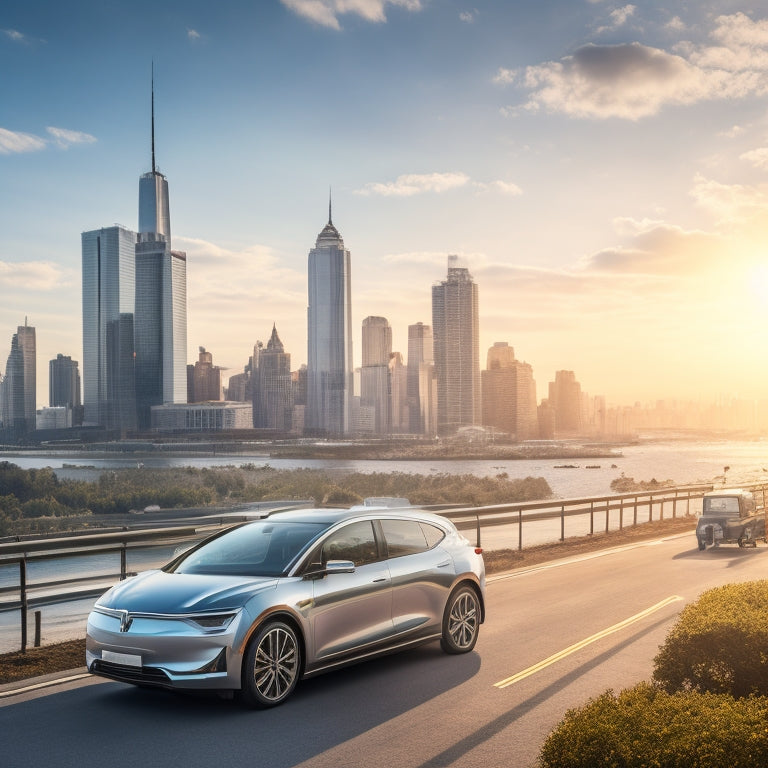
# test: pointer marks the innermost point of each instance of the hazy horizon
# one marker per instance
(601, 168)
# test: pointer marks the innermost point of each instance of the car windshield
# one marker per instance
(261, 548)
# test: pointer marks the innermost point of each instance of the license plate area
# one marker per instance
(126, 659)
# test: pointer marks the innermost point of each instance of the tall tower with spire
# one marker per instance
(329, 334)
(161, 298)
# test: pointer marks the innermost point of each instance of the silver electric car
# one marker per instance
(258, 606)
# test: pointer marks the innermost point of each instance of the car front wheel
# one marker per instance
(461, 621)
(272, 665)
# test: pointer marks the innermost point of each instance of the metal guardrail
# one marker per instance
(468, 518)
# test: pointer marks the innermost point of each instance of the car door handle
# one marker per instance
(443, 565)
(376, 581)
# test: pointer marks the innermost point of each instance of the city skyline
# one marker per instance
(599, 167)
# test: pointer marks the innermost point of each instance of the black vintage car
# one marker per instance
(732, 516)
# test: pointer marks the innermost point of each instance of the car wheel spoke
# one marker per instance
(462, 624)
(275, 666)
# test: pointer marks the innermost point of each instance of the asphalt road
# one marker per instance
(555, 636)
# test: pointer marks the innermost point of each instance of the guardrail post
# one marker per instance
(520, 529)
(591, 518)
(621, 514)
(674, 507)
(661, 509)
(607, 515)
(122, 562)
(562, 522)
(478, 531)
(650, 509)
(23, 595)
(634, 519)
(38, 623)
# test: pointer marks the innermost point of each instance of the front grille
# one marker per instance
(136, 675)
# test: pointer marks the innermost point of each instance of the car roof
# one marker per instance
(729, 492)
(333, 516)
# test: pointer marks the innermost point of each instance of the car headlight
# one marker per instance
(212, 621)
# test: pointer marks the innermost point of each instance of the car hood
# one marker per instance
(161, 592)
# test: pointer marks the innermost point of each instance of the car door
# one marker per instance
(422, 574)
(351, 611)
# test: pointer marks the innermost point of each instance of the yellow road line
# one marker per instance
(582, 643)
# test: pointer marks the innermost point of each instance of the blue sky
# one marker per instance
(601, 168)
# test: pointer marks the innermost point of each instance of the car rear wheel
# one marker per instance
(461, 621)
(272, 665)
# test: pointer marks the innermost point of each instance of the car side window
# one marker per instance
(404, 537)
(355, 542)
(433, 534)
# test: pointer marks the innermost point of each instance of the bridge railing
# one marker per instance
(604, 512)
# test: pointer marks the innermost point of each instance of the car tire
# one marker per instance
(461, 621)
(272, 665)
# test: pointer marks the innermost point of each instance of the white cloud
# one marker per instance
(731, 203)
(633, 81)
(326, 12)
(506, 187)
(618, 17)
(506, 76)
(12, 142)
(65, 138)
(468, 17)
(32, 275)
(757, 157)
(415, 184)
(15, 35)
(193, 34)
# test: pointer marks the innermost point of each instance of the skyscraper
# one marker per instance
(64, 386)
(203, 379)
(375, 386)
(457, 349)
(160, 325)
(19, 386)
(273, 392)
(109, 295)
(509, 394)
(329, 335)
(565, 399)
(420, 365)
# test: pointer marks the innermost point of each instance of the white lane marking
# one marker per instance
(582, 643)
(46, 684)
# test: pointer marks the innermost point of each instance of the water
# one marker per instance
(684, 463)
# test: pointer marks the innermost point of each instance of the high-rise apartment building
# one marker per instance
(160, 324)
(64, 387)
(203, 379)
(456, 333)
(329, 335)
(63, 382)
(19, 385)
(509, 394)
(273, 390)
(422, 399)
(109, 296)
(398, 384)
(375, 386)
(565, 400)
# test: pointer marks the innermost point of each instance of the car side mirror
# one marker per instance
(319, 571)
(339, 566)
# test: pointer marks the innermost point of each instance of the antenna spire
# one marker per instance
(330, 219)
(153, 116)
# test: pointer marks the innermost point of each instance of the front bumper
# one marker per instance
(164, 651)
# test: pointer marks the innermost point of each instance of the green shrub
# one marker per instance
(719, 644)
(644, 727)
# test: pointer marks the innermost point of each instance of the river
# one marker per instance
(684, 462)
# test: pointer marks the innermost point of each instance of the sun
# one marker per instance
(758, 284)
